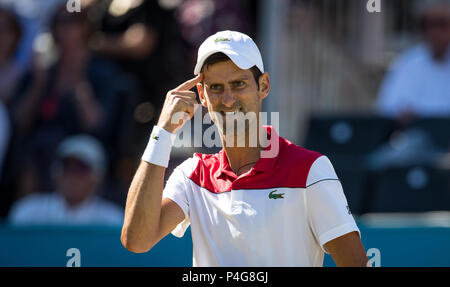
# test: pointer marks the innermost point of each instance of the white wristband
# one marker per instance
(159, 147)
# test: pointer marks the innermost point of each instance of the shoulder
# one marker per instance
(32, 205)
(294, 155)
(417, 55)
(322, 169)
(296, 163)
(187, 167)
(190, 169)
(36, 199)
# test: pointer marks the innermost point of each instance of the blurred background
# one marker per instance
(81, 90)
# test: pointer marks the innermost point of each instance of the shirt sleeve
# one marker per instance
(327, 208)
(176, 189)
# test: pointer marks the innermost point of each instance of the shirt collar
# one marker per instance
(263, 164)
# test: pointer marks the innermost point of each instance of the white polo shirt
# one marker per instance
(280, 213)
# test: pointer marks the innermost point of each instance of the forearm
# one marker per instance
(143, 226)
(143, 208)
(347, 250)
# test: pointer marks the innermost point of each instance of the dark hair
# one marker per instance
(221, 57)
(61, 15)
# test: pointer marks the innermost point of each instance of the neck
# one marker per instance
(76, 202)
(73, 55)
(242, 159)
(440, 54)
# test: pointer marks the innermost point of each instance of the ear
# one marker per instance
(264, 85)
(201, 94)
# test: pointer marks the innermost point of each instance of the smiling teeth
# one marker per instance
(231, 113)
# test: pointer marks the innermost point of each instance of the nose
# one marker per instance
(228, 98)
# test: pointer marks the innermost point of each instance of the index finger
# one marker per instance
(189, 84)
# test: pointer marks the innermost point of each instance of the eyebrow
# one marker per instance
(242, 78)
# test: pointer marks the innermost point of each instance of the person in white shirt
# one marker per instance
(248, 205)
(417, 84)
(78, 173)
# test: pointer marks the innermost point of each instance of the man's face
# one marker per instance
(77, 181)
(71, 31)
(228, 91)
(437, 28)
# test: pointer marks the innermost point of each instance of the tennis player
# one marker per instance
(245, 207)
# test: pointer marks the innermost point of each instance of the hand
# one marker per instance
(179, 100)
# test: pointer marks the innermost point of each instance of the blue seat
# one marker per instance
(347, 134)
(346, 140)
(408, 189)
(437, 128)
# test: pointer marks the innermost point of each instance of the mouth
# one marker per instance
(231, 113)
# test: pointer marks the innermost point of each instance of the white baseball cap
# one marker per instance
(85, 148)
(239, 47)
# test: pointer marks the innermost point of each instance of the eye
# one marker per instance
(238, 84)
(215, 87)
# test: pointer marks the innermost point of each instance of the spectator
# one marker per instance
(78, 94)
(34, 17)
(10, 70)
(10, 73)
(143, 38)
(78, 173)
(417, 86)
(418, 83)
(67, 81)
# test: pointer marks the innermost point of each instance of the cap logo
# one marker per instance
(222, 40)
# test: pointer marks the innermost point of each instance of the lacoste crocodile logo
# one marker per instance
(222, 40)
(155, 137)
(273, 195)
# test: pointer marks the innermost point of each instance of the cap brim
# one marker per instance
(239, 60)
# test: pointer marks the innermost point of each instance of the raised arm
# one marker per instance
(148, 218)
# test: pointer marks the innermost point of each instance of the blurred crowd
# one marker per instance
(81, 84)
(79, 92)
